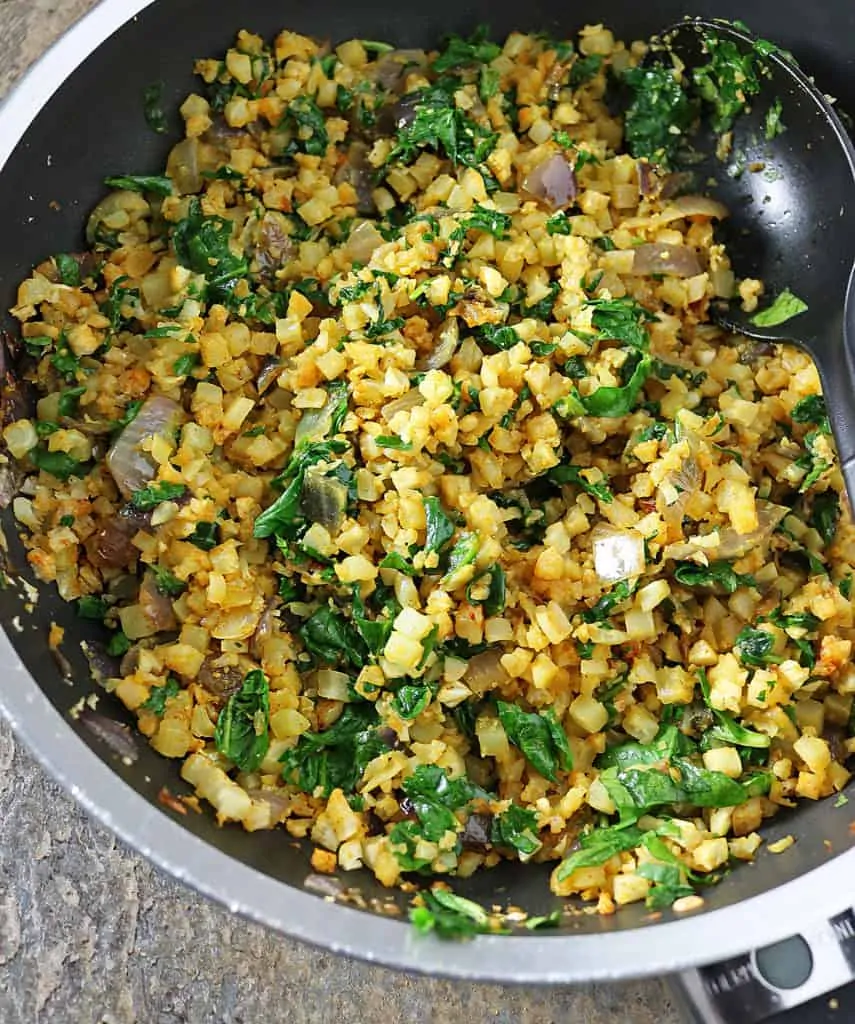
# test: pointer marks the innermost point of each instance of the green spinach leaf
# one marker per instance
(573, 475)
(90, 607)
(825, 515)
(202, 244)
(336, 757)
(584, 69)
(440, 125)
(726, 728)
(494, 600)
(241, 734)
(784, 308)
(205, 535)
(464, 553)
(167, 582)
(151, 496)
(68, 269)
(622, 320)
(157, 185)
(331, 639)
(517, 829)
(812, 410)
(598, 846)
(311, 127)
(159, 695)
(449, 915)
(540, 738)
(58, 464)
(460, 52)
(715, 575)
(756, 647)
(439, 528)
(619, 593)
(659, 113)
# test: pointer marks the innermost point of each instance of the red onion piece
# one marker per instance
(131, 467)
(660, 258)
(675, 183)
(476, 832)
(111, 546)
(220, 680)
(647, 182)
(390, 70)
(363, 240)
(116, 736)
(553, 183)
(693, 206)
(356, 171)
(270, 370)
(264, 629)
(156, 607)
(442, 353)
(485, 671)
(273, 248)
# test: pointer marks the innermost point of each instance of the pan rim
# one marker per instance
(543, 959)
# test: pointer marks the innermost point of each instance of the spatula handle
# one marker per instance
(836, 365)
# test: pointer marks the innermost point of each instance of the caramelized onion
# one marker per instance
(268, 373)
(102, 665)
(273, 247)
(406, 402)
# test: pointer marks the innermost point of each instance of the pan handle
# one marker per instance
(836, 366)
(808, 978)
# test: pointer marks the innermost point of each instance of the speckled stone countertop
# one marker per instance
(89, 932)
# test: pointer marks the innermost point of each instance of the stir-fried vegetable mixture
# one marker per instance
(429, 516)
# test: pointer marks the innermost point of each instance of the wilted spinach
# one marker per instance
(242, 728)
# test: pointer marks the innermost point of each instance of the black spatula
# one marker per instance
(791, 198)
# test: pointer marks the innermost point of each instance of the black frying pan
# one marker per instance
(59, 147)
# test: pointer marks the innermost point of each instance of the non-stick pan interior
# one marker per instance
(94, 126)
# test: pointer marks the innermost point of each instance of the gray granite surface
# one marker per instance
(90, 932)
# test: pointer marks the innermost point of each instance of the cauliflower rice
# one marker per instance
(430, 516)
